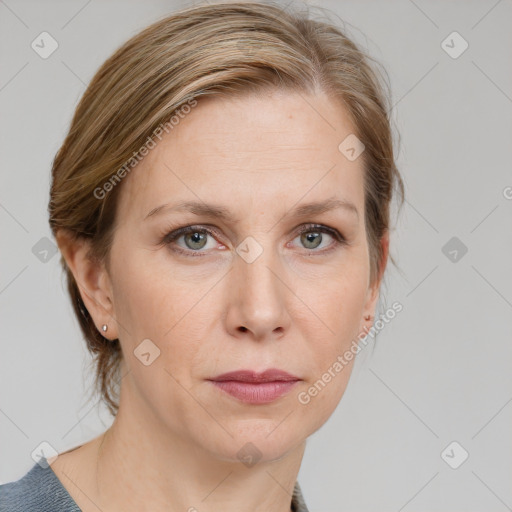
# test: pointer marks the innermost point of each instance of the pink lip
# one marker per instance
(256, 388)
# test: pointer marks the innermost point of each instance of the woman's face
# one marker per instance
(252, 292)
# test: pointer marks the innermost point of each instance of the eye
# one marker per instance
(194, 238)
(312, 235)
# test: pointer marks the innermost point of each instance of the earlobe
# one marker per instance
(92, 280)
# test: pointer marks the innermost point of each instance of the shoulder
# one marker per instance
(39, 490)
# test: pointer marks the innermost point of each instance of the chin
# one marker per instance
(257, 440)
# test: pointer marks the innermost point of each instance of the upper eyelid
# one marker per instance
(214, 229)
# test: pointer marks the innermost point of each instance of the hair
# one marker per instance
(221, 49)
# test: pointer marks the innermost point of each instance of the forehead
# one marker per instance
(265, 151)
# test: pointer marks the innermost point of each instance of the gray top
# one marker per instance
(40, 490)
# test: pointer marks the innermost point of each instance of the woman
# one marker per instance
(221, 204)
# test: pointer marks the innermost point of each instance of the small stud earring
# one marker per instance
(104, 327)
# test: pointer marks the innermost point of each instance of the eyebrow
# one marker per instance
(222, 213)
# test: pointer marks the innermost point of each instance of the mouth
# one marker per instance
(250, 387)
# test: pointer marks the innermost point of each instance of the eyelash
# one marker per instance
(171, 237)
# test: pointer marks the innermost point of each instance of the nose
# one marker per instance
(258, 295)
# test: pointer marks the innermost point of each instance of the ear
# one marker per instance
(373, 291)
(92, 280)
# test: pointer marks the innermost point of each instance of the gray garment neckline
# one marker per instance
(41, 490)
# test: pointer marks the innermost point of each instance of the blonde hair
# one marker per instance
(218, 49)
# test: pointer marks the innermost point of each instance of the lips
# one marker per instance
(256, 388)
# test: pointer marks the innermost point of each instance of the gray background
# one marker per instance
(440, 371)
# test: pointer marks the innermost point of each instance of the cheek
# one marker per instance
(331, 329)
(156, 302)
(336, 304)
(155, 305)
(149, 300)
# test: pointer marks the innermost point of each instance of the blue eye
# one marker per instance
(195, 239)
(312, 236)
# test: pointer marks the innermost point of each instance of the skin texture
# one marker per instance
(297, 307)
